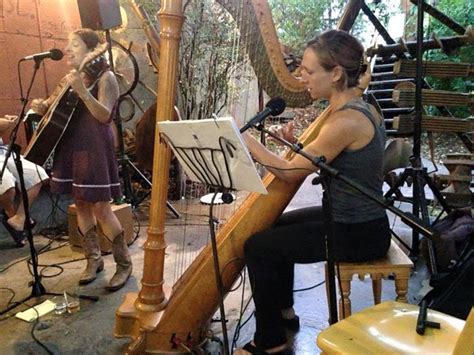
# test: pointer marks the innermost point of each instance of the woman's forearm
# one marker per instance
(281, 168)
(5, 125)
(100, 112)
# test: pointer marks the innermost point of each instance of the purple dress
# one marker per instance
(84, 162)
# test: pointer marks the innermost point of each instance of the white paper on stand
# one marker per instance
(210, 134)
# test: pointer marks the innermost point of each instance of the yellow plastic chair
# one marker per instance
(390, 328)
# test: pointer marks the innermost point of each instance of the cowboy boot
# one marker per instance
(123, 261)
(95, 263)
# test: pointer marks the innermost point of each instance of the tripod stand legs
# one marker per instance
(37, 289)
(168, 204)
(125, 163)
(420, 179)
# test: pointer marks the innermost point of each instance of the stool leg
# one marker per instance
(326, 283)
(327, 290)
(377, 289)
(344, 301)
(401, 288)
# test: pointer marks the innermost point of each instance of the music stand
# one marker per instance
(213, 152)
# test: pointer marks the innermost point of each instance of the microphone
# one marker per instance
(273, 108)
(54, 54)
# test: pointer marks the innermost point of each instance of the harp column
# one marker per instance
(151, 297)
(140, 313)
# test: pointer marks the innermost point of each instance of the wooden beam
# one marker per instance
(407, 67)
(350, 14)
(446, 44)
(441, 17)
(406, 98)
(404, 124)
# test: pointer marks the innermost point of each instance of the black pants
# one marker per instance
(300, 237)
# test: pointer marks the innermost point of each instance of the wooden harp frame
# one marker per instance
(159, 325)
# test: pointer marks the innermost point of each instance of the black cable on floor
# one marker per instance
(36, 321)
(310, 287)
(243, 308)
(9, 301)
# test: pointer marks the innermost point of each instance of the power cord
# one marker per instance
(35, 323)
(243, 307)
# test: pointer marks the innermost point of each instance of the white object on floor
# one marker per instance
(30, 314)
(207, 199)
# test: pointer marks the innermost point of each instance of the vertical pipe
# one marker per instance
(416, 162)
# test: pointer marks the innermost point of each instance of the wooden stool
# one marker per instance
(396, 263)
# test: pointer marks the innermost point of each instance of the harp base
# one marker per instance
(133, 323)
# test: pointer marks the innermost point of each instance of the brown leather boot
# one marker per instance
(123, 261)
(95, 263)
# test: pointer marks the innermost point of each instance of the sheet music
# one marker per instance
(216, 146)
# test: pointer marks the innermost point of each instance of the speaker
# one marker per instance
(99, 14)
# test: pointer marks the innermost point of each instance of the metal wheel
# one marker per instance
(126, 108)
(125, 68)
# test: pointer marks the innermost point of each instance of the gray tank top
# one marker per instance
(363, 166)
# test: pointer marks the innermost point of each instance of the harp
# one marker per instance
(157, 324)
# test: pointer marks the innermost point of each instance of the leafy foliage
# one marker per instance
(205, 61)
(462, 12)
(298, 21)
(207, 58)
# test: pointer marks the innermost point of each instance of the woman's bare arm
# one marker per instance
(102, 106)
(338, 133)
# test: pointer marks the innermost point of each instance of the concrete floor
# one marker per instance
(90, 330)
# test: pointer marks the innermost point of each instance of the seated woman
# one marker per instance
(352, 141)
(13, 215)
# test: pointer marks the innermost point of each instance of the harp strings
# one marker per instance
(235, 54)
(190, 233)
(193, 229)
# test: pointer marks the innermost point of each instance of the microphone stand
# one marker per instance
(329, 172)
(37, 288)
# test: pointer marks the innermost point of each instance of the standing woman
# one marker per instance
(352, 141)
(84, 160)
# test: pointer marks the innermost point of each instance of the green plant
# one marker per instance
(298, 21)
(206, 58)
(462, 12)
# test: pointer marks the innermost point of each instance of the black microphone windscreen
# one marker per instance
(277, 105)
(56, 54)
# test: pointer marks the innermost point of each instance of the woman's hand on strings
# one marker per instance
(39, 106)
(11, 119)
(74, 80)
(7, 123)
(285, 131)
